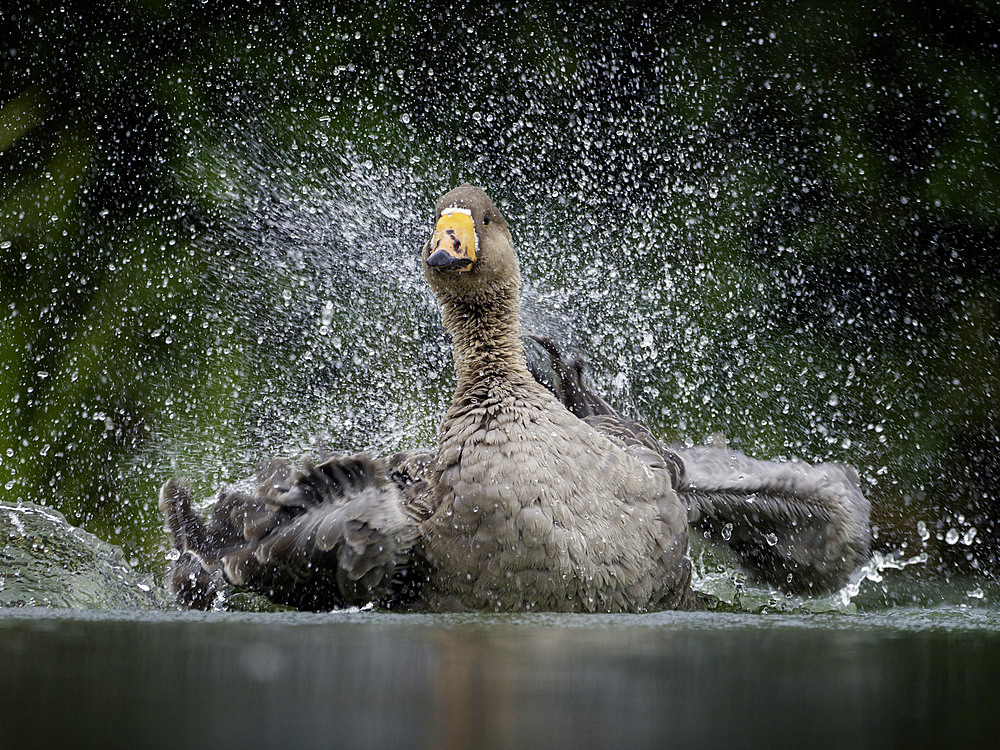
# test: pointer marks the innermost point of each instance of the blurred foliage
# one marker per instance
(774, 220)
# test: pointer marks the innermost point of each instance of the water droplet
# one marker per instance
(727, 532)
(326, 317)
(922, 531)
(771, 539)
(969, 535)
(951, 536)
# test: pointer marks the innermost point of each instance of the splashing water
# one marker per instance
(44, 561)
(874, 571)
(721, 270)
(320, 290)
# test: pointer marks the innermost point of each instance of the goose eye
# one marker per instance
(486, 220)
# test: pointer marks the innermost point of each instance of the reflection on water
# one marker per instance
(372, 679)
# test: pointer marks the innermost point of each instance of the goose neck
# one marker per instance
(486, 335)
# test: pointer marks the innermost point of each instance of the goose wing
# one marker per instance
(318, 537)
(565, 379)
(796, 525)
(801, 526)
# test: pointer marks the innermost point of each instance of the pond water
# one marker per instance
(164, 679)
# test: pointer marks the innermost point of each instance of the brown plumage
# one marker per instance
(529, 502)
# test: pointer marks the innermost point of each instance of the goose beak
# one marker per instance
(454, 244)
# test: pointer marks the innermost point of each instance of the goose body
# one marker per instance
(535, 509)
(533, 499)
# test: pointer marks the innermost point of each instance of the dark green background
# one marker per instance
(777, 221)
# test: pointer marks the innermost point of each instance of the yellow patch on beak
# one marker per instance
(454, 244)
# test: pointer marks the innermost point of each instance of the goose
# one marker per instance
(535, 498)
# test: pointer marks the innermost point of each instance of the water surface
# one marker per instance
(903, 677)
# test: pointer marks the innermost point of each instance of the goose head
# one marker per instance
(470, 254)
